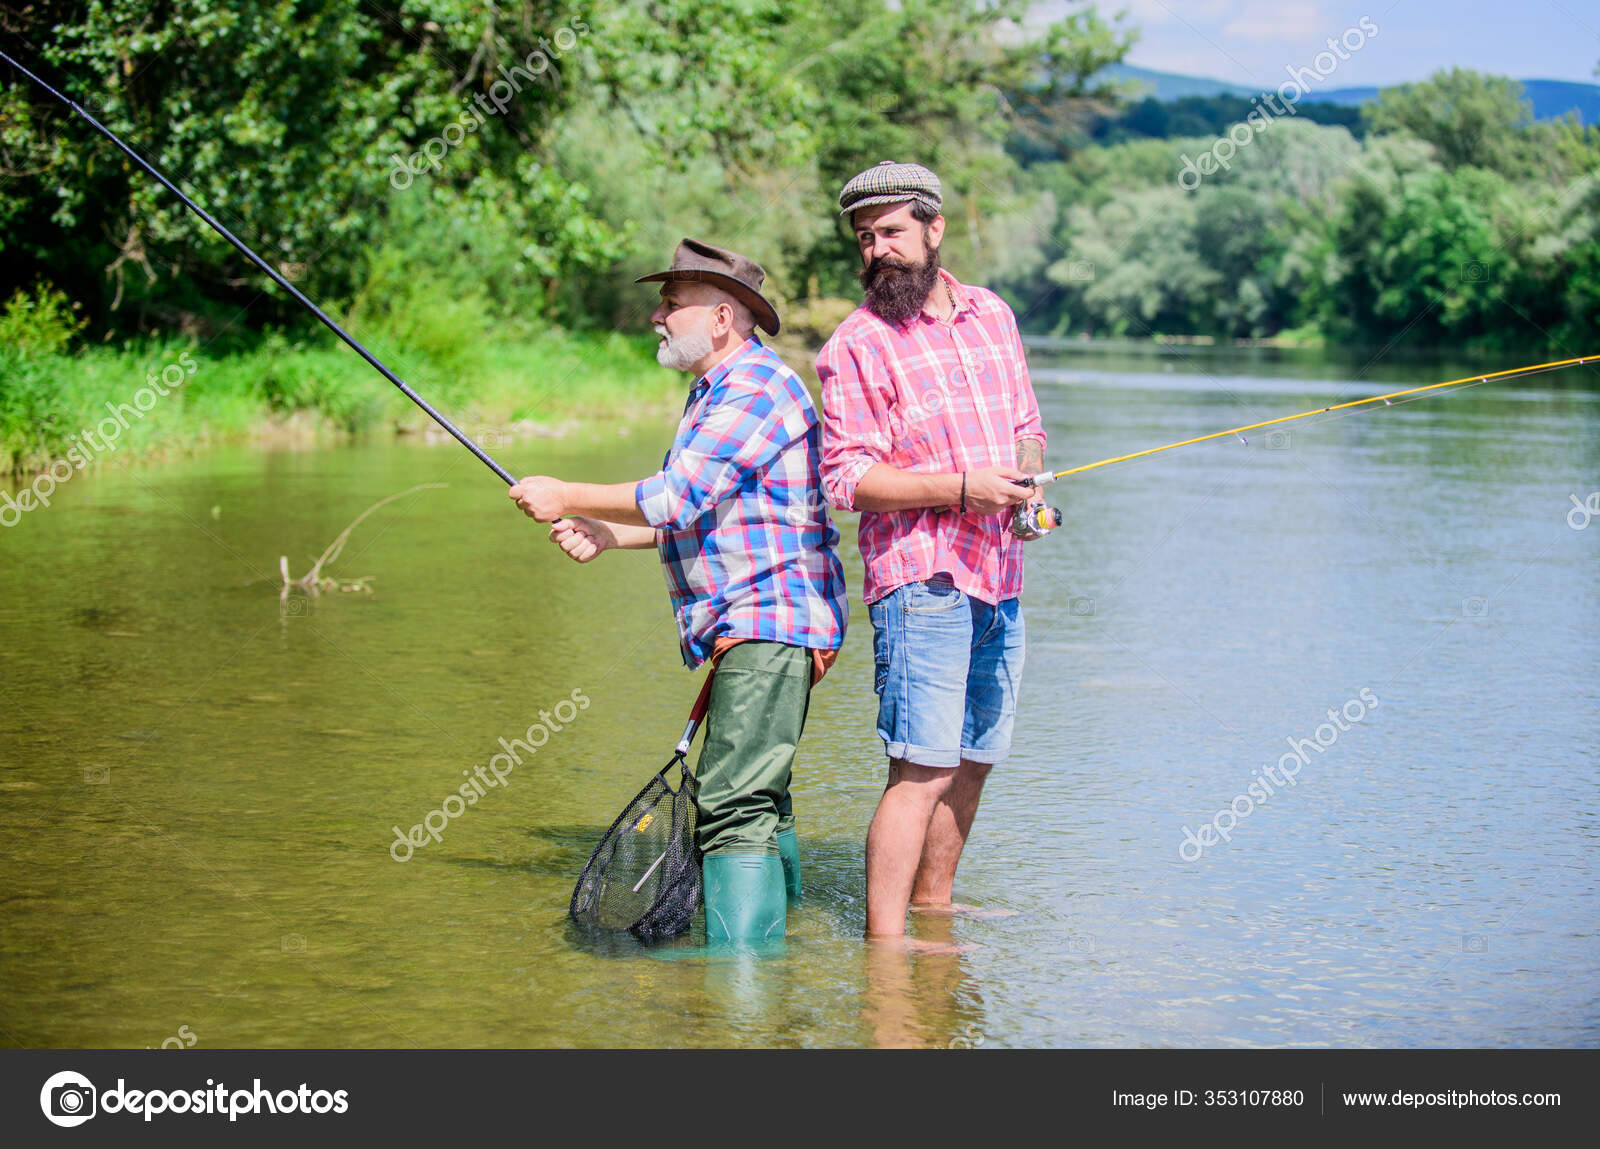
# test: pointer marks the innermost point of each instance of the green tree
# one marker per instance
(1132, 266)
(745, 116)
(294, 122)
(1472, 120)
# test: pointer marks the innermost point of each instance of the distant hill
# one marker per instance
(1551, 99)
(1199, 116)
(1171, 86)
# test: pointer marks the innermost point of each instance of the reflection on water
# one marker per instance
(200, 789)
(923, 1001)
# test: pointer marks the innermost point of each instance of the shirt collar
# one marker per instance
(720, 372)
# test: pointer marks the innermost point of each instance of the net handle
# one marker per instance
(699, 712)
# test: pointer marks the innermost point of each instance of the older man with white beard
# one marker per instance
(738, 517)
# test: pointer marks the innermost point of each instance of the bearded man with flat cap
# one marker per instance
(929, 421)
(737, 515)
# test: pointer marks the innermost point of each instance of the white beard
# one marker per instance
(684, 351)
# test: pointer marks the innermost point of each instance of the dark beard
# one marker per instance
(896, 290)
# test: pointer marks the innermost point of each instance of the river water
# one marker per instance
(200, 781)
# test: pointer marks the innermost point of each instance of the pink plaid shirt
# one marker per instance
(932, 397)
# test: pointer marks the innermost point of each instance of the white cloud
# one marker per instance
(1143, 13)
(1200, 13)
(1295, 20)
(1232, 40)
(1199, 59)
(1250, 41)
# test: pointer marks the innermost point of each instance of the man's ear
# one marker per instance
(721, 319)
(936, 230)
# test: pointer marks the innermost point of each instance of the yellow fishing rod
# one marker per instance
(1045, 477)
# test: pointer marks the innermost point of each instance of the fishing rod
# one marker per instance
(1032, 522)
(1046, 477)
(239, 244)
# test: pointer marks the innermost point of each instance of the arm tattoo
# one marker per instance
(1030, 456)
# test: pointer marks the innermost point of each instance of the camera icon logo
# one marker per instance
(1474, 271)
(1081, 605)
(67, 1099)
(1278, 441)
(1475, 607)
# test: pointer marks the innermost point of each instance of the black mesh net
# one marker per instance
(644, 876)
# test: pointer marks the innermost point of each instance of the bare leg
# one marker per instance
(947, 835)
(895, 842)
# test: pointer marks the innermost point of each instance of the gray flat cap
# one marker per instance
(891, 182)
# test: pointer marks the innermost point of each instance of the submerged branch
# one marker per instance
(314, 581)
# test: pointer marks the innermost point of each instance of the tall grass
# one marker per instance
(310, 384)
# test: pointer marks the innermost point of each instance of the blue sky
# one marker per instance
(1253, 41)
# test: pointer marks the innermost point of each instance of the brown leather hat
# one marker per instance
(739, 277)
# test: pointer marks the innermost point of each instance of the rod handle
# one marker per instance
(696, 714)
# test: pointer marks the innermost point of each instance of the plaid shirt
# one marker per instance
(933, 397)
(741, 524)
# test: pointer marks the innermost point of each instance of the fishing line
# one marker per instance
(272, 273)
(1349, 408)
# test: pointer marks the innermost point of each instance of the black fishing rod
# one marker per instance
(239, 244)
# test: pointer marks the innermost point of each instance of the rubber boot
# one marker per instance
(744, 898)
(789, 851)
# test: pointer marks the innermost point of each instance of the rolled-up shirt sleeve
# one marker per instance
(857, 404)
(742, 432)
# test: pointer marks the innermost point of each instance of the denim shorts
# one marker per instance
(948, 667)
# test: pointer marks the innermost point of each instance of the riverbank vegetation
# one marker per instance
(471, 187)
(173, 394)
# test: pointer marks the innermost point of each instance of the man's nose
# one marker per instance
(658, 315)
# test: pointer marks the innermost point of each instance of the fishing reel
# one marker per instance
(1029, 523)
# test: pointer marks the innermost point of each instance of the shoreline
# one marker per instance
(140, 404)
(315, 393)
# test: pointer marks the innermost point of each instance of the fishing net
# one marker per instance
(644, 876)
